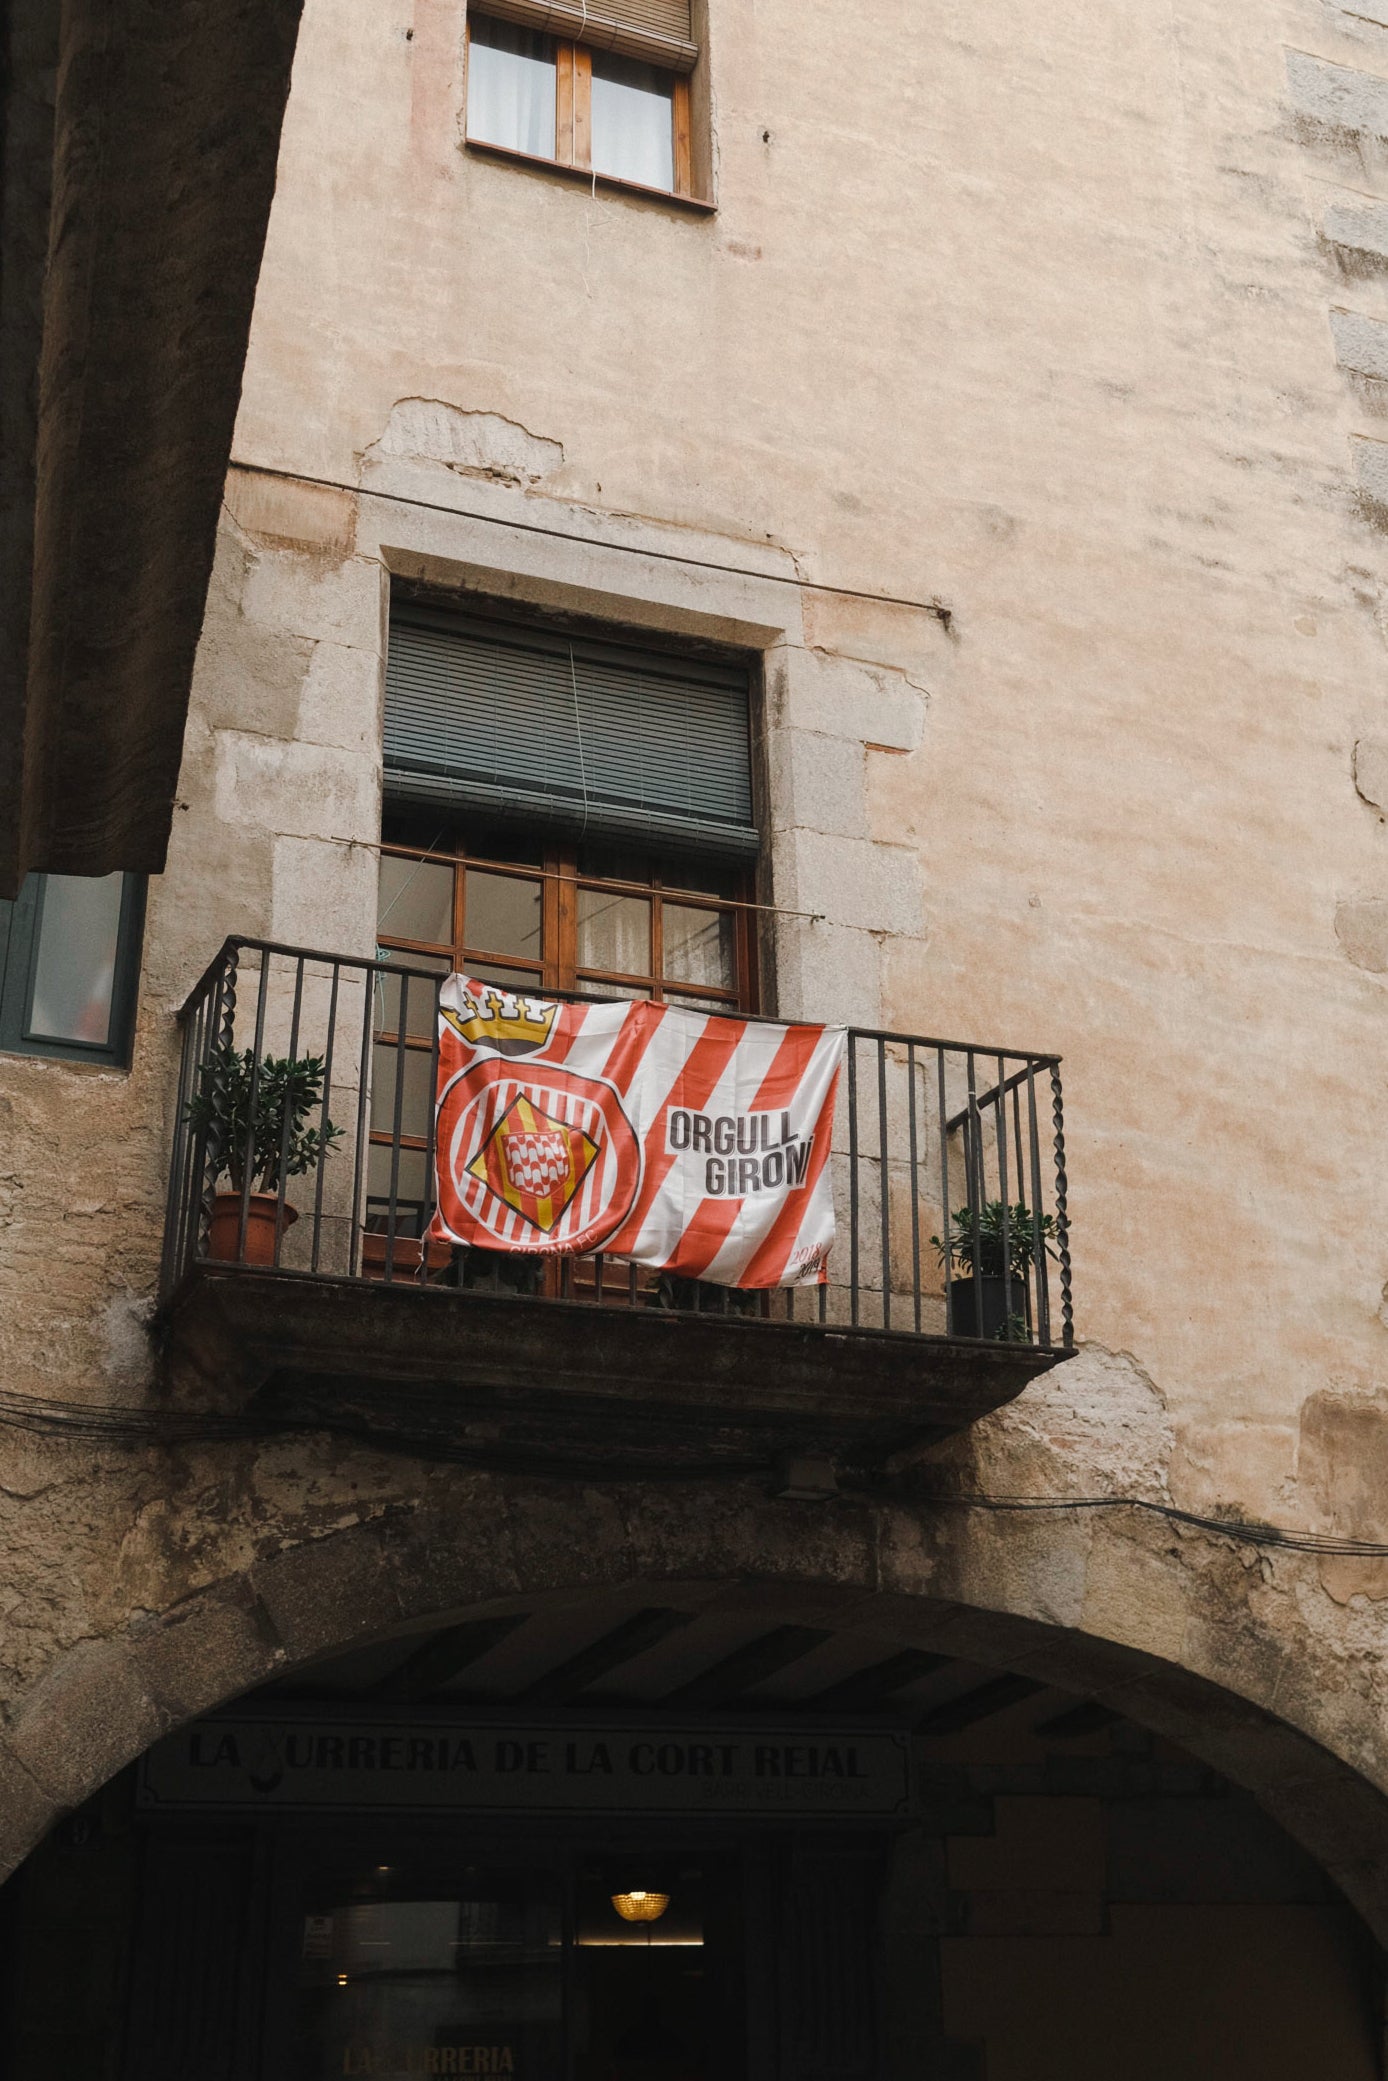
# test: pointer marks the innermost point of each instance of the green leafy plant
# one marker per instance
(274, 1130)
(984, 1226)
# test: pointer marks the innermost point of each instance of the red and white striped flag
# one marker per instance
(693, 1144)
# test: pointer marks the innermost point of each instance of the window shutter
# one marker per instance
(567, 732)
(656, 30)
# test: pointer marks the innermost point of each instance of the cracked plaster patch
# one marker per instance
(1331, 97)
(1361, 344)
(1097, 1426)
(1371, 469)
(1361, 227)
(475, 444)
(125, 1321)
(1371, 770)
(1361, 926)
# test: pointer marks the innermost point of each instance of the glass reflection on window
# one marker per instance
(416, 900)
(698, 946)
(511, 78)
(614, 932)
(471, 1983)
(75, 966)
(411, 1174)
(417, 1098)
(503, 914)
(417, 995)
(633, 121)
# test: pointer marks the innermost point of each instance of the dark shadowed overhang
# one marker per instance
(140, 145)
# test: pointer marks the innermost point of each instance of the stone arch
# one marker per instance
(1016, 1594)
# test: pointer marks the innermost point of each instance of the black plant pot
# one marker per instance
(991, 1307)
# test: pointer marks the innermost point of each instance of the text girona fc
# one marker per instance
(691, 1144)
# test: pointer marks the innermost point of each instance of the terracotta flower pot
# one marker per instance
(225, 1233)
(405, 1253)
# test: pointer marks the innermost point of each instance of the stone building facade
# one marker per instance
(1010, 390)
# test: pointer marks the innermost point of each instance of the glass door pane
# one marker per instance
(416, 1066)
(698, 946)
(413, 994)
(415, 901)
(503, 915)
(467, 1979)
(614, 932)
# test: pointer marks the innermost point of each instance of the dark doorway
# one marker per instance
(394, 1954)
(660, 1987)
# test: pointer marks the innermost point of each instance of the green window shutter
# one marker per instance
(567, 732)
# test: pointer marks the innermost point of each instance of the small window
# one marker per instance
(69, 959)
(616, 113)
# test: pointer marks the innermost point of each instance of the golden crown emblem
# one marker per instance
(499, 1019)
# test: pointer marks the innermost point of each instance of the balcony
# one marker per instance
(322, 1302)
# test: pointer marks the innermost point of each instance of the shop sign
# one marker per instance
(308, 1761)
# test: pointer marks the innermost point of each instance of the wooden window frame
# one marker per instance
(558, 968)
(573, 127)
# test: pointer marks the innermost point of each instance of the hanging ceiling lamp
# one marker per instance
(640, 1907)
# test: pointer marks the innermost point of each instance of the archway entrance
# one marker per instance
(877, 1860)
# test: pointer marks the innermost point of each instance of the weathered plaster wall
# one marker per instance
(1073, 323)
(186, 1581)
(1067, 321)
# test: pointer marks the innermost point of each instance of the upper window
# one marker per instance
(69, 959)
(611, 99)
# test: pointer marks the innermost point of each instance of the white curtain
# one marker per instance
(510, 90)
(633, 122)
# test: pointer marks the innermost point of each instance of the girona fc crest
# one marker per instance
(533, 1157)
(534, 1163)
(540, 1161)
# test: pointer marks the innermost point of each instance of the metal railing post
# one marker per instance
(1062, 1217)
(223, 1025)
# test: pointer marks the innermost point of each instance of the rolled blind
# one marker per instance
(656, 30)
(567, 732)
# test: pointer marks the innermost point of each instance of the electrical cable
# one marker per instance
(1249, 1531)
(942, 613)
(115, 1424)
(615, 883)
(171, 1429)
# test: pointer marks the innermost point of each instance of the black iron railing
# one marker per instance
(948, 1163)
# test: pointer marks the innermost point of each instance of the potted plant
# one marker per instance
(258, 1142)
(992, 1298)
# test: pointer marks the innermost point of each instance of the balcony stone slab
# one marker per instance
(569, 1385)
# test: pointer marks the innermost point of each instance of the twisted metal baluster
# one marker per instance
(1062, 1222)
(223, 1023)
